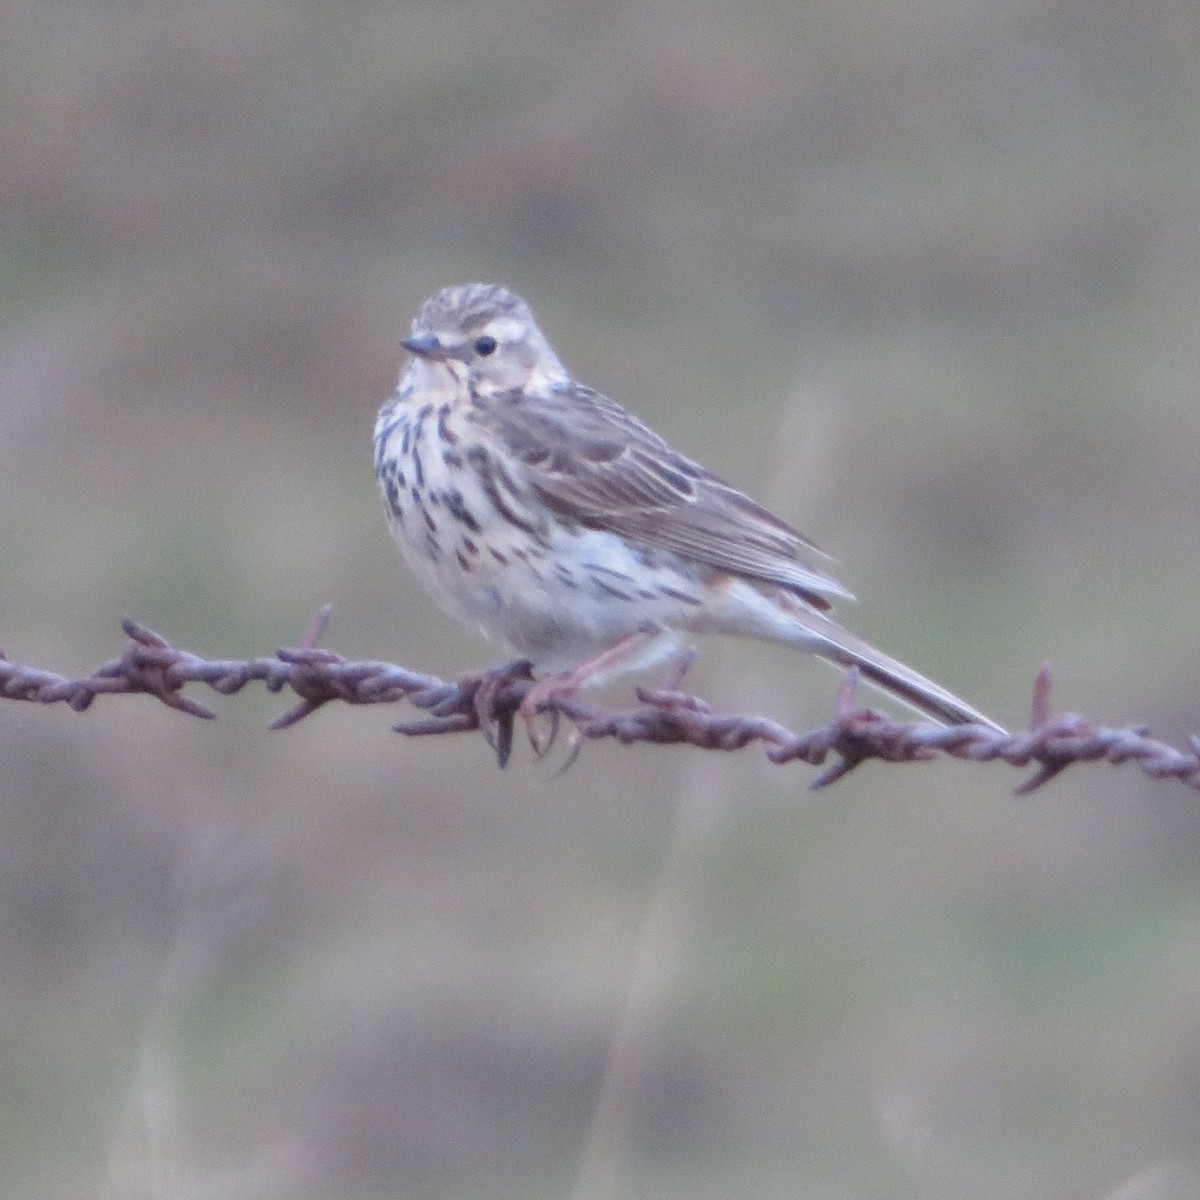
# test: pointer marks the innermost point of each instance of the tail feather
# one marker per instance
(840, 647)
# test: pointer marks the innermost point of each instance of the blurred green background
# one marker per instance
(925, 276)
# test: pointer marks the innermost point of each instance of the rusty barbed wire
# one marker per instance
(488, 702)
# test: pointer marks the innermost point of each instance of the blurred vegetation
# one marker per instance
(925, 276)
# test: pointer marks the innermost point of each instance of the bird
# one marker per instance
(542, 513)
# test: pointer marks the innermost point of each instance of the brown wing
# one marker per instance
(591, 461)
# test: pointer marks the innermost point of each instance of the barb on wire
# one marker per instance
(489, 701)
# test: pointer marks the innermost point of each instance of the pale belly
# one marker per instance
(493, 557)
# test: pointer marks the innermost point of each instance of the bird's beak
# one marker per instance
(424, 345)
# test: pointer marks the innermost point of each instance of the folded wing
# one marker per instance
(592, 462)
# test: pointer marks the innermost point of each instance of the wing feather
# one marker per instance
(592, 462)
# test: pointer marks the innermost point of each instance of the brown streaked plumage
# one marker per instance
(546, 515)
(591, 462)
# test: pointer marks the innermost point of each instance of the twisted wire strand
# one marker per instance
(488, 702)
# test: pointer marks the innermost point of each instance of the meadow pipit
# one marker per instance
(543, 514)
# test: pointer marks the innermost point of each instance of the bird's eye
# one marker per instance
(485, 345)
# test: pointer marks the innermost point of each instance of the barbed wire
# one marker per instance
(488, 702)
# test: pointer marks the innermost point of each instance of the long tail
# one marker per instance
(840, 647)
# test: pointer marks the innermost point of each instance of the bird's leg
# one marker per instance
(568, 682)
(496, 725)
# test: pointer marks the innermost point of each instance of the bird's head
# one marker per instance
(485, 335)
